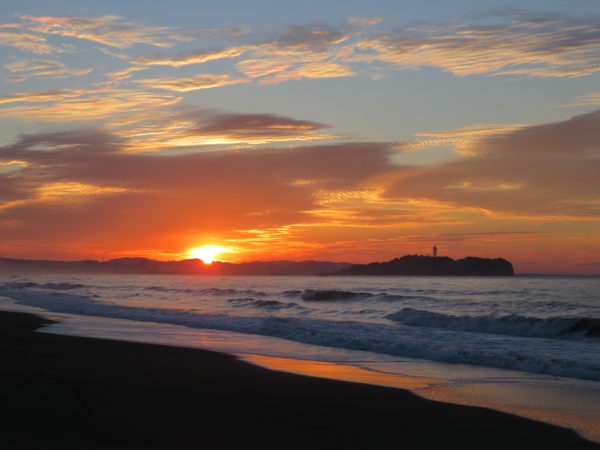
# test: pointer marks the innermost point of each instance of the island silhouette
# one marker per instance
(406, 265)
(433, 265)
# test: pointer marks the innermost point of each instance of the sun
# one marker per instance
(207, 253)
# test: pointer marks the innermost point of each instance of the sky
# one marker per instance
(333, 130)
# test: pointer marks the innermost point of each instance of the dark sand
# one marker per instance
(68, 392)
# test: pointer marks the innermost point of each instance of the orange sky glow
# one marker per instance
(357, 139)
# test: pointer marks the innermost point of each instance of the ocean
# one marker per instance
(538, 335)
(547, 325)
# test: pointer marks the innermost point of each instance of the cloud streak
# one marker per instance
(186, 84)
(193, 128)
(30, 68)
(81, 105)
(545, 46)
(112, 31)
(27, 42)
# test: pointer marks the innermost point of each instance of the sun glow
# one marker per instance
(207, 253)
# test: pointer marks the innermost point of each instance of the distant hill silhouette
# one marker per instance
(429, 265)
(183, 267)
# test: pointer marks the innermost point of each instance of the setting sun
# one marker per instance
(207, 253)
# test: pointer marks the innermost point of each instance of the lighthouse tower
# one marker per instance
(434, 251)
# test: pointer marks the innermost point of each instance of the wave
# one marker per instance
(332, 294)
(577, 358)
(433, 344)
(512, 324)
(261, 304)
(291, 293)
(206, 291)
(31, 284)
(335, 294)
(398, 297)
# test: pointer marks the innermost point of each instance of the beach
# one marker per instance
(73, 392)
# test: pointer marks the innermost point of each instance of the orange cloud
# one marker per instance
(78, 105)
(187, 59)
(40, 96)
(27, 42)
(591, 99)
(29, 68)
(107, 30)
(346, 201)
(186, 84)
(364, 21)
(466, 141)
(537, 47)
(166, 194)
(543, 171)
(198, 128)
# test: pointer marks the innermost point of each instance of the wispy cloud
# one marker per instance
(364, 21)
(28, 68)
(467, 140)
(549, 46)
(186, 59)
(186, 84)
(79, 105)
(27, 42)
(201, 128)
(591, 99)
(40, 96)
(112, 31)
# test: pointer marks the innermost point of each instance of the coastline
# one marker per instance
(74, 391)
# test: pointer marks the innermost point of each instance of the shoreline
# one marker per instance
(565, 402)
(131, 395)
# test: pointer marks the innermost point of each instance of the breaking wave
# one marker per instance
(262, 304)
(394, 339)
(351, 316)
(512, 324)
(332, 294)
(206, 291)
(51, 286)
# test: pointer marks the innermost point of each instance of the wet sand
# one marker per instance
(72, 392)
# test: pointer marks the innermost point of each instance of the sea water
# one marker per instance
(548, 325)
(525, 345)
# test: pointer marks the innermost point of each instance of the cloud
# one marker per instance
(466, 141)
(39, 96)
(520, 44)
(28, 68)
(112, 31)
(348, 197)
(189, 58)
(294, 71)
(297, 52)
(541, 171)
(150, 200)
(186, 84)
(27, 42)
(517, 44)
(591, 99)
(198, 128)
(149, 122)
(78, 105)
(306, 38)
(364, 21)
(512, 44)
